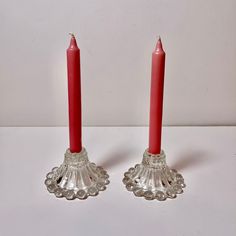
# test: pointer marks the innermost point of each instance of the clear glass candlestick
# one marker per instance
(77, 177)
(153, 179)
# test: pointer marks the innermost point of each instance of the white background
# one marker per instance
(116, 40)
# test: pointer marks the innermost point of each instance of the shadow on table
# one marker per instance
(116, 157)
(190, 159)
(185, 160)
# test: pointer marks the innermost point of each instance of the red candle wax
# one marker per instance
(156, 102)
(74, 95)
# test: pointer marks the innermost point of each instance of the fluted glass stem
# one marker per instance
(153, 179)
(77, 177)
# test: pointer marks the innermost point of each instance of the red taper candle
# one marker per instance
(74, 95)
(156, 101)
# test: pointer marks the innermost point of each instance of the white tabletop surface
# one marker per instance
(205, 156)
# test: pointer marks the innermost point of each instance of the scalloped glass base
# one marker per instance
(76, 177)
(153, 179)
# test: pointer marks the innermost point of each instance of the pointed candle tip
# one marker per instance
(73, 43)
(159, 44)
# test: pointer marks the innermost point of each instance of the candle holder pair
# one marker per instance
(79, 178)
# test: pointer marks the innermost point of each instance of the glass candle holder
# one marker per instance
(77, 177)
(153, 179)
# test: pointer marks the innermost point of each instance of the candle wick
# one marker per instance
(72, 35)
